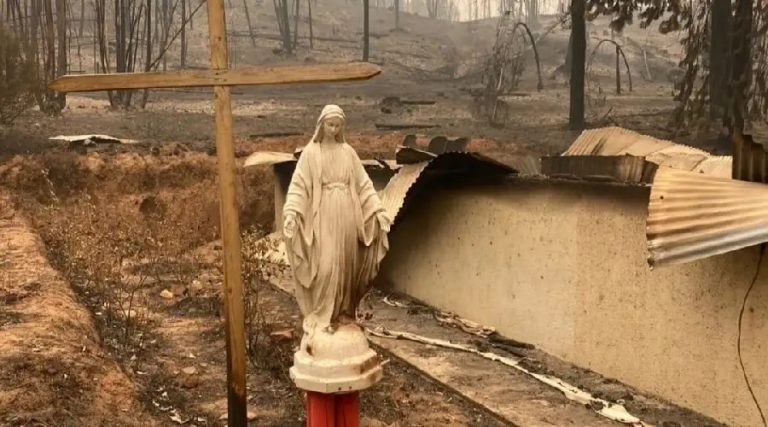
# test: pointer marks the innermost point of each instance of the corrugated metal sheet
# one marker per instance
(751, 159)
(524, 165)
(410, 176)
(268, 158)
(274, 157)
(719, 166)
(394, 194)
(622, 169)
(615, 141)
(692, 216)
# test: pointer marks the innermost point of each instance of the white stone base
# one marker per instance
(338, 362)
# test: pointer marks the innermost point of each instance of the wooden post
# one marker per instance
(230, 226)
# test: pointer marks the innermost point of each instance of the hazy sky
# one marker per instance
(545, 7)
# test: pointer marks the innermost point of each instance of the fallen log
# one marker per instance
(400, 126)
(274, 134)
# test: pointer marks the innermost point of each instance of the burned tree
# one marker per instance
(505, 65)
(366, 30)
(18, 77)
(718, 56)
(578, 57)
(283, 24)
(397, 14)
(248, 20)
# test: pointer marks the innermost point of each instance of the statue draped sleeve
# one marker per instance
(299, 202)
(372, 234)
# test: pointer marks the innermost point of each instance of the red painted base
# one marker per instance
(333, 410)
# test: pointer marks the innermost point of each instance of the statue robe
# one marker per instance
(339, 243)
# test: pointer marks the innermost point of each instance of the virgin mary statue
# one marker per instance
(335, 227)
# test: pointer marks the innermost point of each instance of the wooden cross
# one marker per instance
(221, 78)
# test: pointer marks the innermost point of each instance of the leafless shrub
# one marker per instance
(266, 347)
(18, 78)
(506, 63)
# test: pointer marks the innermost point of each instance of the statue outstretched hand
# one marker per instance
(289, 225)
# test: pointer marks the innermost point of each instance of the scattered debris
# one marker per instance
(175, 417)
(465, 325)
(282, 335)
(274, 134)
(190, 370)
(400, 126)
(607, 409)
(92, 139)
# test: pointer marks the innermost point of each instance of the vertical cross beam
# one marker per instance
(230, 225)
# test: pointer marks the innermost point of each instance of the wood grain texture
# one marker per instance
(321, 73)
(234, 312)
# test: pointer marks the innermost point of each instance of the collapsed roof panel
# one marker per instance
(619, 169)
(696, 210)
(394, 194)
(693, 216)
(615, 141)
(418, 164)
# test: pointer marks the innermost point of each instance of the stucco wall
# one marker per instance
(563, 266)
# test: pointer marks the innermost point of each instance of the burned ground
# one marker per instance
(113, 314)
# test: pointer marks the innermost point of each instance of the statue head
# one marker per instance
(331, 123)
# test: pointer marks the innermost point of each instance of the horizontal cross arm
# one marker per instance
(260, 75)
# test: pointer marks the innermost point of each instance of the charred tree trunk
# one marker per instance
(741, 65)
(533, 13)
(718, 57)
(739, 80)
(148, 53)
(311, 32)
(250, 25)
(296, 7)
(33, 47)
(366, 30)
(61, 61)
(183, 58)
(397, 14)
(283, 24)
(101, 26)
(165, 25)
(578, 58)
(50, 103)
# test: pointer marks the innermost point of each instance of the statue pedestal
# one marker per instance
(333, 368)
(336, 363)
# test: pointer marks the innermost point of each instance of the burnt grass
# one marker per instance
(119, 238)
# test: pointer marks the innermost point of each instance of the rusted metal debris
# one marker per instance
(620, 169)
(394, 194)
(419, 166)
(750, 159)
(615, 141)
(696, 210)
(268, 158)
(693, 216)
(92, 139)
(264, 158)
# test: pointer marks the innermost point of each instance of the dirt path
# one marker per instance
(53, 371)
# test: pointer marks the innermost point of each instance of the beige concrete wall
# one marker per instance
(563, 266)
